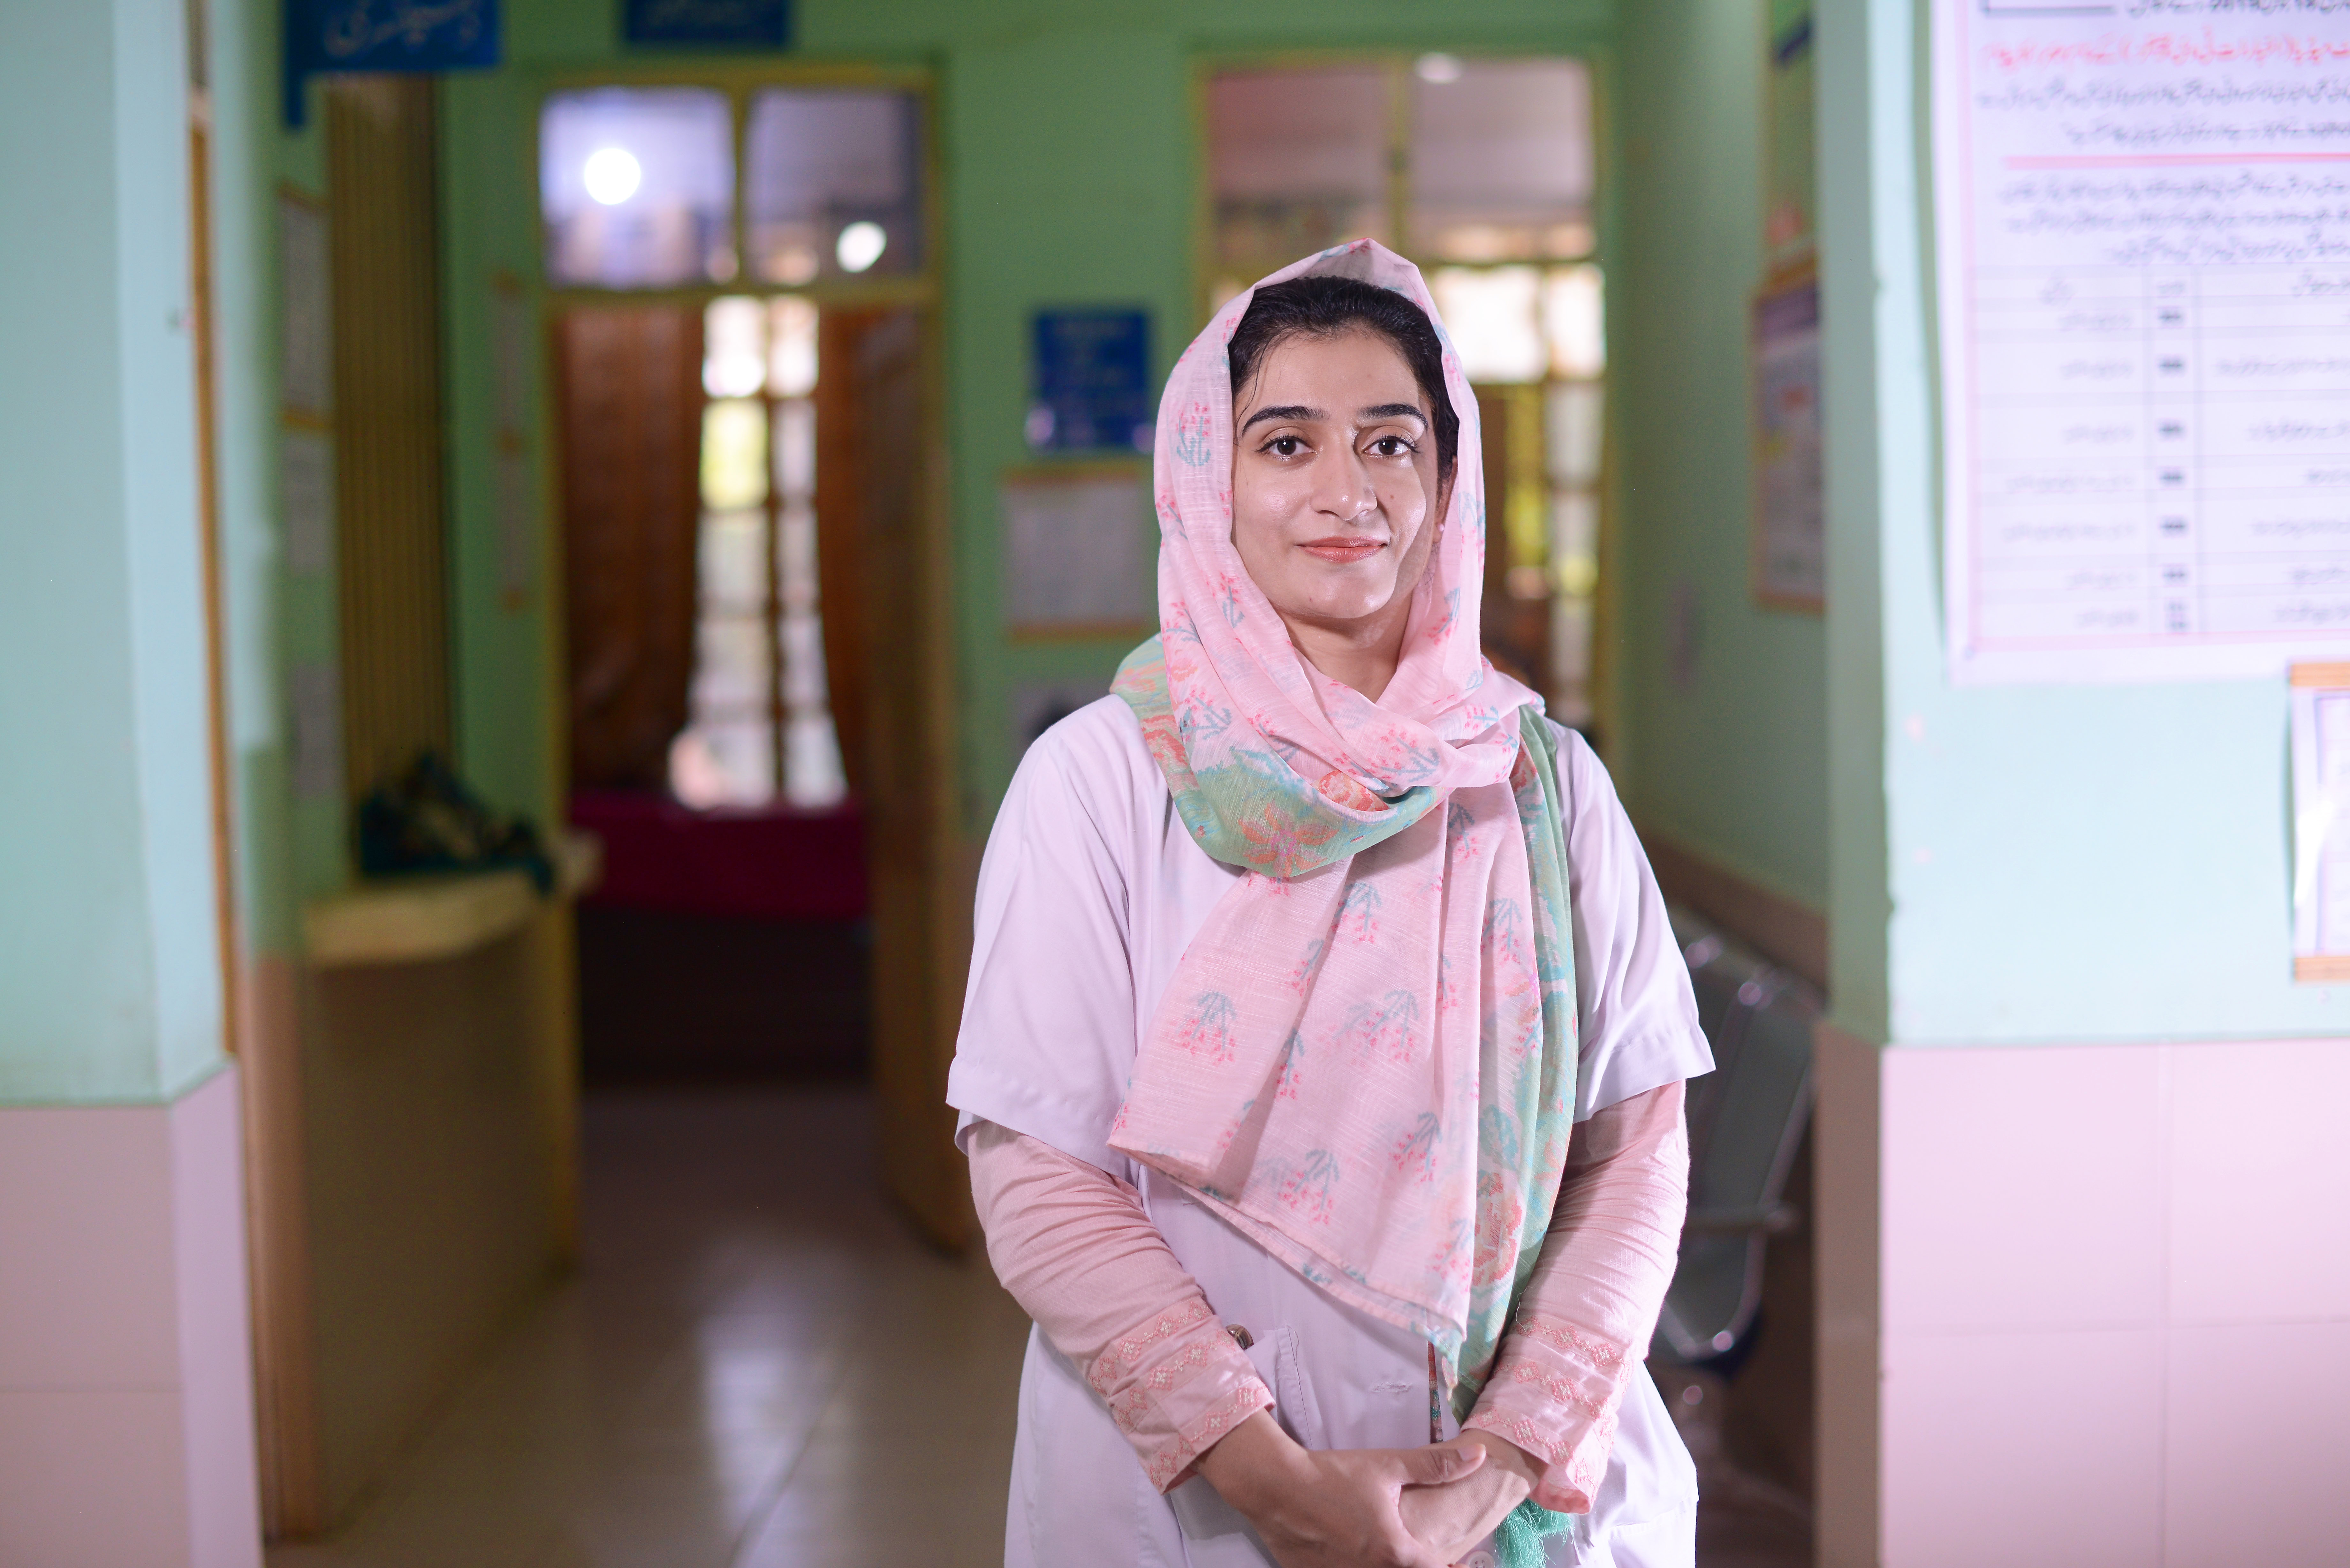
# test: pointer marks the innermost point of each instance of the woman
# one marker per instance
(1321, 1069)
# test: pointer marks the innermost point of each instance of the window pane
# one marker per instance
(791, 338)
(734, 347)
(804, 675)
(1574, 413)
(795, 580)
(731, 677)
(638, 187)
(796, 449)
(1491, 316)
(834, 183)
(1297, 161)
(1572, 316)
(733, 563)
(1575, 542)
(733, 454)
(812, 761)
(1500, 160)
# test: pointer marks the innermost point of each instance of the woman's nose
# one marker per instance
(1342, 486)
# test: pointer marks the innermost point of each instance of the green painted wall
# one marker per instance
(1723, 749)
(1067, 154)
(110, 970)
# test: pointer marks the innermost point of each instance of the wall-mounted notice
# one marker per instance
(2143, 212)
(305, 349)
(1091, 376)
(511, 324)
(305, 500)
(1077, 551)
(323, 36)
(2321, 822)
(1789, 510)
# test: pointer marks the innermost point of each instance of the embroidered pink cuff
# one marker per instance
(1175, 1386)
(1555, 1392)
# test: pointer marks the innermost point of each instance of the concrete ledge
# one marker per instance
(418, 919)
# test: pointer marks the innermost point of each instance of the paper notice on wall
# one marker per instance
(2143, 213)
(304, 299)
(2321, 822)
(305, 499)
(1790, 507)
(517, 503)
(1078, 555)
(313, 695)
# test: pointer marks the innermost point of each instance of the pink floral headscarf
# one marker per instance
(1365, 1059)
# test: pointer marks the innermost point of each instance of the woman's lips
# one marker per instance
(1343, 550)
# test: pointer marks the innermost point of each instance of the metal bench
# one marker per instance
(1746, 1120)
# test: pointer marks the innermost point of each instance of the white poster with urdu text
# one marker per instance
(2142, 211)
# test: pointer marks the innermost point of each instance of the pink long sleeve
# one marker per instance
(1592, 1301)
(1076, 1250)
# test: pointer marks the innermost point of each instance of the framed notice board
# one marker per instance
(1079, 551)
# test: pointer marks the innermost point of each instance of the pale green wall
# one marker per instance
(2011, 864)
(1733, 763)
(505, 713)
(1069, 160)
(109, 976)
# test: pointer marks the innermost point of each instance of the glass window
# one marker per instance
(791, 348)
(760, 717)
(1572, 319)
(734, 347)
(1492, 316)
(638, 187)
(833, 184)
(796, 449)
(1297, 161)
(1575, 413)
(733, 563)
(733, 454)
(1500, 160)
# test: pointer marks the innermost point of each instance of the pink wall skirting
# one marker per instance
(126, 1376)
(2084, 1304)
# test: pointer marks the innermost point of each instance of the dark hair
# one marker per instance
(1326, 307)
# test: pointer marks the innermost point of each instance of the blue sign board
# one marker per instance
(750, 24)
(1092, 382)
(385, 36)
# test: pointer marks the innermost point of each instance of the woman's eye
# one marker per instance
(1283, 446)
(1391, 446)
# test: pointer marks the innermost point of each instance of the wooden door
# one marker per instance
(885, 550)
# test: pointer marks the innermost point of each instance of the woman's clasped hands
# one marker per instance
(1368, 1508)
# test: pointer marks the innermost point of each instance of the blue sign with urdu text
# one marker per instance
(747, 24)
(323, 36)
(1092, 382)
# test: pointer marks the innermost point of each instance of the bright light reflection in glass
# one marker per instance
(612, 176)
(861, 244)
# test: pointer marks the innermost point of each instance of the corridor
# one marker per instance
(755, 1364)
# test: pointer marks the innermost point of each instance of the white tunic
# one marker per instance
(1089, 892)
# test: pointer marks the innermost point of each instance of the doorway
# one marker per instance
(741, 323)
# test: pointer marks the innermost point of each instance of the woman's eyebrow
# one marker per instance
(1284, 412)
(1389, 411)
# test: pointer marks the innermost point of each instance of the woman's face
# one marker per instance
(1335, 496)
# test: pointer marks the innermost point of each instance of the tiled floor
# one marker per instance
(758, 1367)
